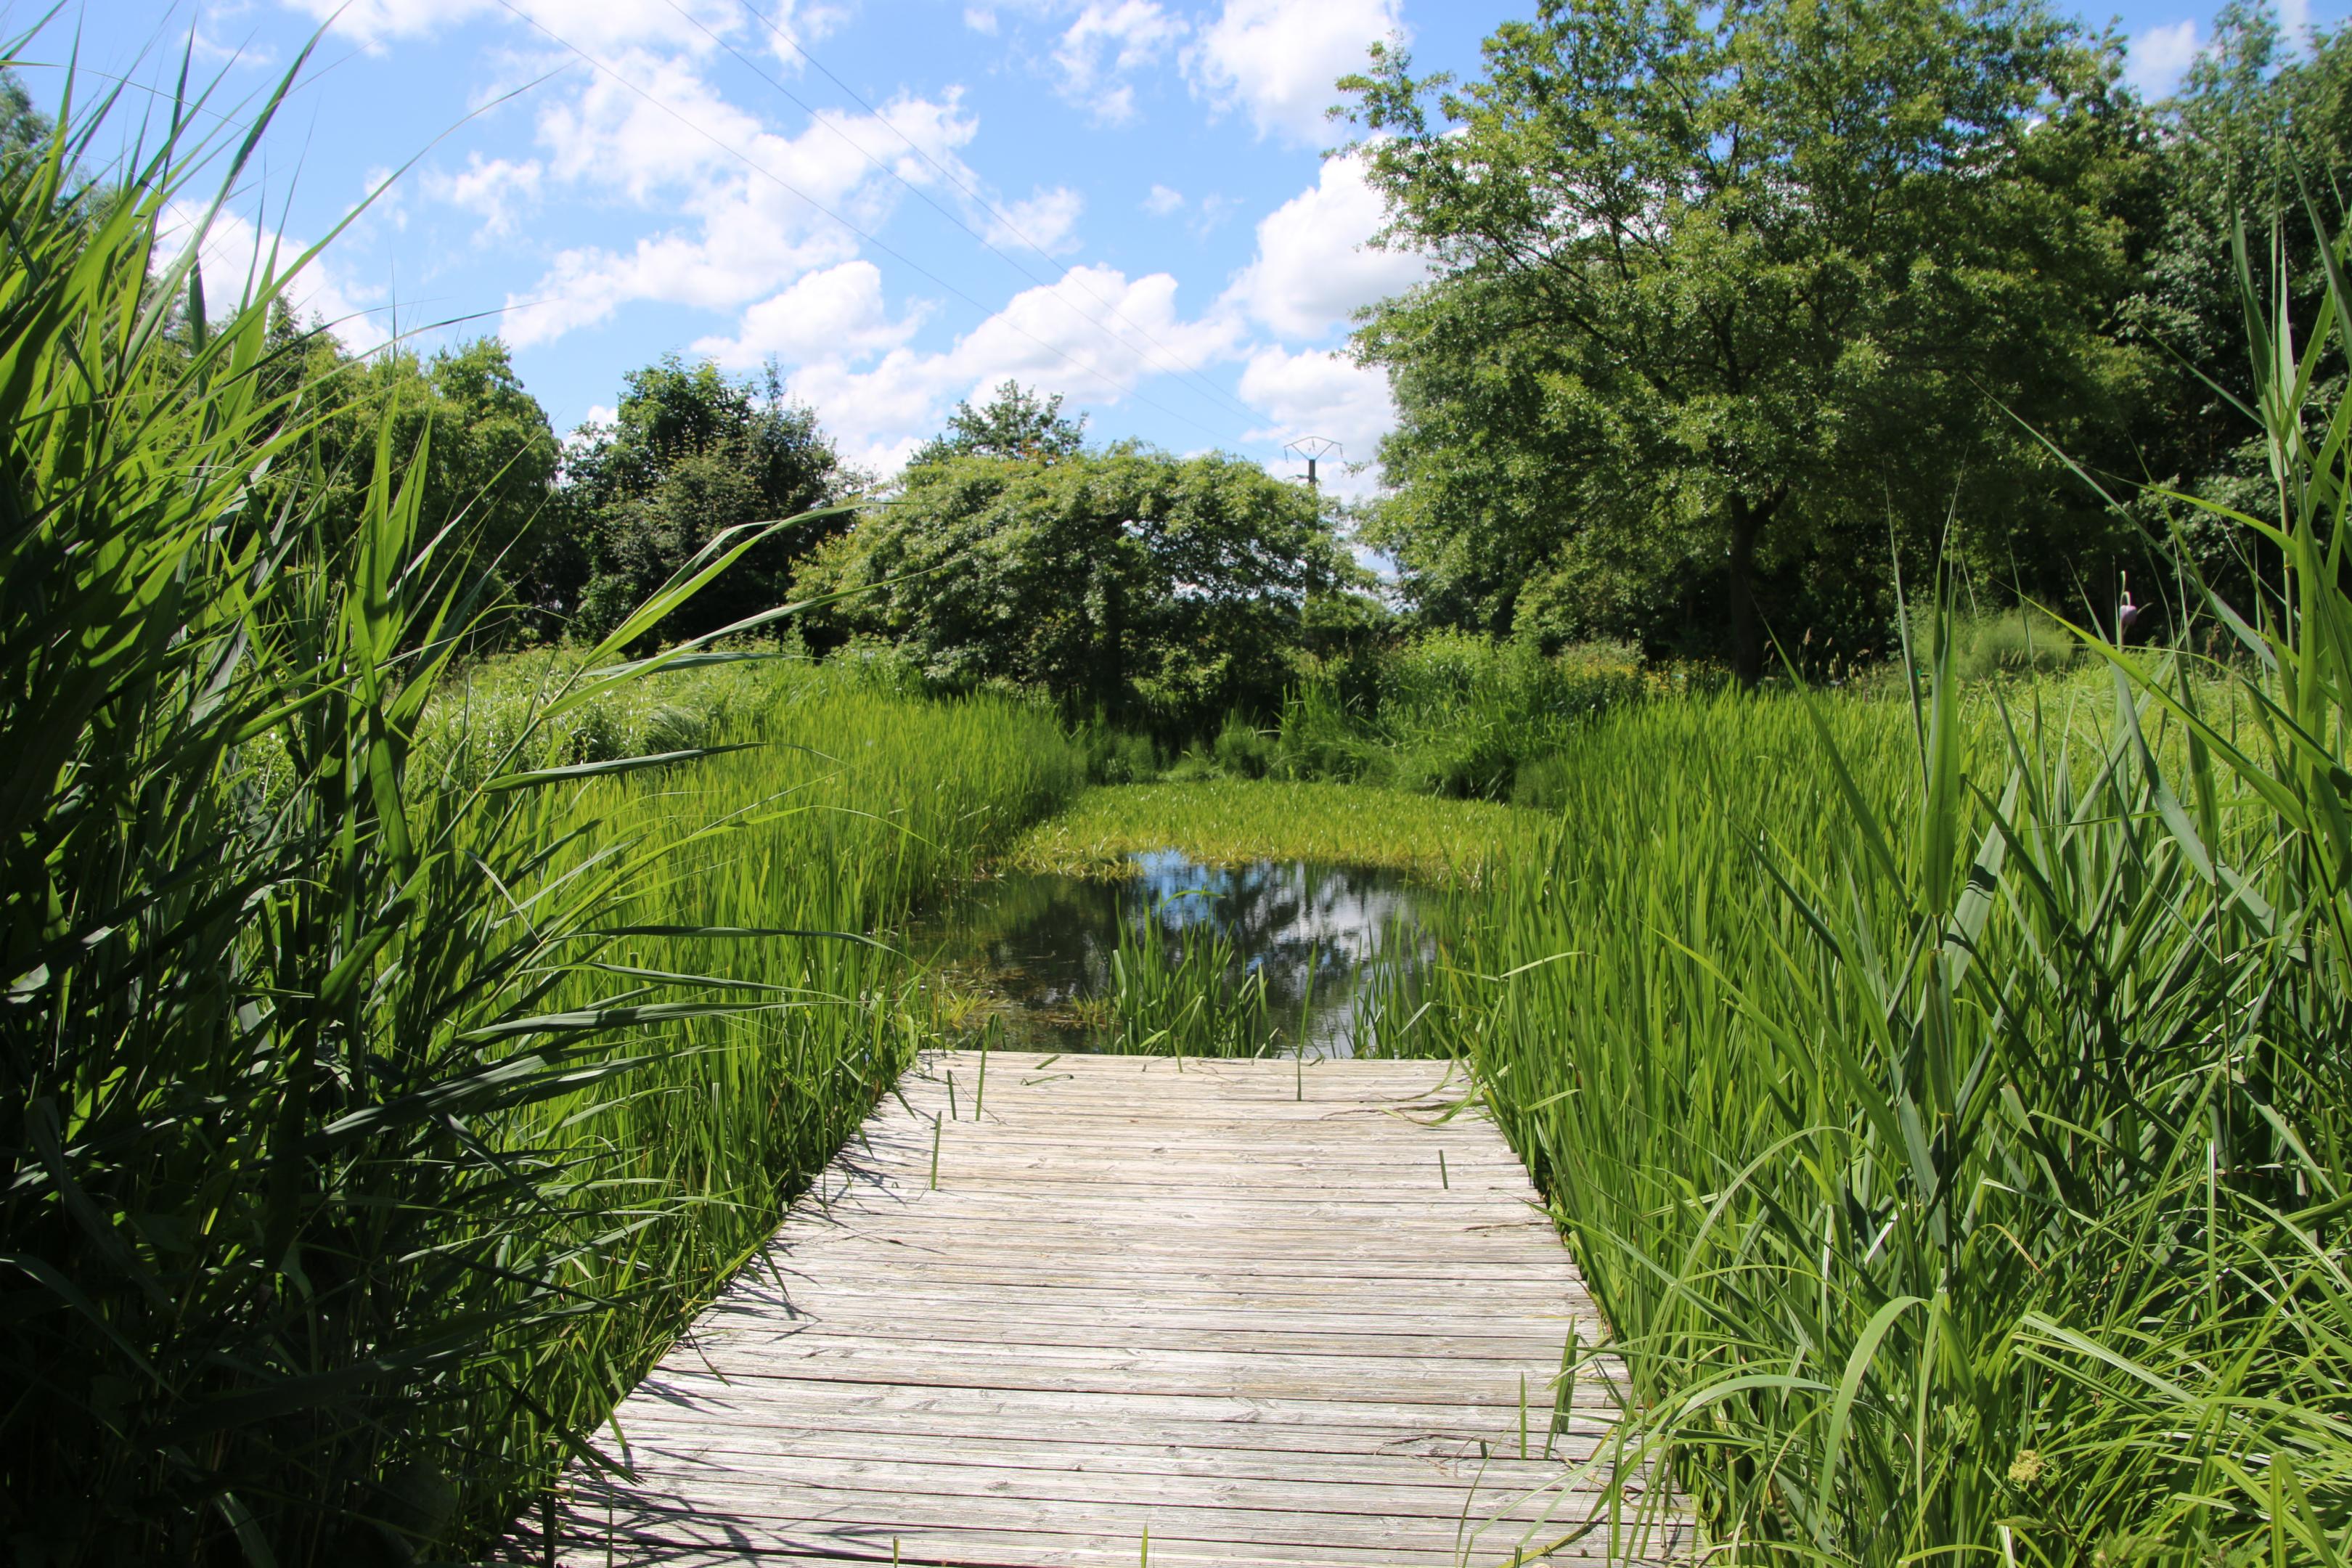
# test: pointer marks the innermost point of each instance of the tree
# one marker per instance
(489, 454)
(23, 128)
(691, 453)
(2253, 130)
(1155, 590)
(1015, 424)
(1718, 287)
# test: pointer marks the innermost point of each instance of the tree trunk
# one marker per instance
(1747, 627)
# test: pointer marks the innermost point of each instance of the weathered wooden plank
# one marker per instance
(1237, 1303)
(1265, 1453)
(698, 1389)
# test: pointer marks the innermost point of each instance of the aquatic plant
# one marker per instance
(1185, 995)
(1948, 1103)
(1224, 821)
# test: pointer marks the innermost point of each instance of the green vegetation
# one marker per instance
(1942, 1081)
(1016, 423)
(1228, 820)
(1669, 232)
(1186, 998)
(1948, 1105)
(1448, 714)
(391, 1058)
(689, 455)
(1735, 308)
(1160, 592)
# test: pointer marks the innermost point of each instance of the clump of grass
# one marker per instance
(2021, 642)
(1183, 996)
(1448, 713)
(1229, 821)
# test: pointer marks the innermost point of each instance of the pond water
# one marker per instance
(1331, 942)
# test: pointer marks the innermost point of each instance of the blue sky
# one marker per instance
(901, 202)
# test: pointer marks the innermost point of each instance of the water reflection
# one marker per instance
(1323, 936)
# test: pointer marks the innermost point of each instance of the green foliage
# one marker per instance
(689, 455)
(1721, 287)
(374, 1094)
(23, 128)
(1157, 593)
(1452, 714)
(1948, 1101)
(2021, 641)
(1229, 821)
(2259, 123)
(1184, 996)
(1242, 750)
(486, 472)
(1016, 423)
(1116, 756)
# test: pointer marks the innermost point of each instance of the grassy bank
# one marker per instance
(1222, 821)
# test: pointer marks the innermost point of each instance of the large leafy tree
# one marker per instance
(693, 452)
(2257, 129)
(479, 442)
(1719, 288)
(1155, 590)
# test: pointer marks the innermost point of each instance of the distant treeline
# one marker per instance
(1736, 314)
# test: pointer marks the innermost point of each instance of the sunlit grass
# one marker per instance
(1229, 821)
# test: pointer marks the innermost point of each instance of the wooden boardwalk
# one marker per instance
(1240, 1306)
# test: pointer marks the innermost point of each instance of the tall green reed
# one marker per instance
(1189, 996)
(1948, 1102)
(337, 1092)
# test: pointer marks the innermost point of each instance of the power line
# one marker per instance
(786, 185)
(1174, 361)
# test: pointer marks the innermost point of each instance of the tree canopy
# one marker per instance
(692, 452)
(1156, 590)
(1016, 423)
(2255, 130)
(1721, 287)
(490, 461)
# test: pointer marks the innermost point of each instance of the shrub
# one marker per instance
(1454, 713)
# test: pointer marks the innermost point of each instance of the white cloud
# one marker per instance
(1062, 338)
(605, 25)
(1215, 209)
(1312, 268)
(2159, 57)
(1163, 200)
(1313, 393)
(979, 19)
(1048, 220)
(234, 253)
(747, 235)
(1278, 59)
(497, 188)
(882, 459)
(792, 23)
(836, 313)
(599, 414)
(1109, 39)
